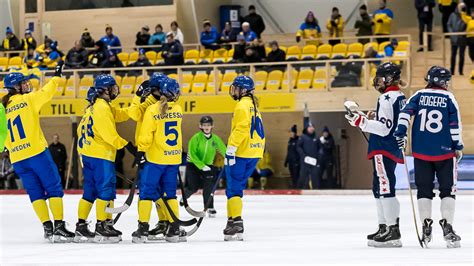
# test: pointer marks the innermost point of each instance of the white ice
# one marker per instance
(278, 230)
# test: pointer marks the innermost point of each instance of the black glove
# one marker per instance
(333, 23)
(142, 88)
(139, 159)
(131, 148)
(58, 70)
(379, 21)
(298, 38)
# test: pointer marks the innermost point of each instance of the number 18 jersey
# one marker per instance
(437, 129)
(160, 135)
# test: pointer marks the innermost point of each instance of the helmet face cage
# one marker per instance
(170, 96)
(24, 87)
(237, 92)
(114, 91)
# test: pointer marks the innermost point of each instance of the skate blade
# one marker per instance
(453, 244)
(49, 239)
(388, 244)
(62, 239)
(182, 239)
(106, 240)
(172, 239)
(139, 240)
(212, 215)
(156, 237)
(82, 239)
(236, 237)
(370, 243)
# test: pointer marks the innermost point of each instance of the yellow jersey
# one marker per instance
(247, 132)
(469, 24)
(160, 135)
(137, 109)
(25, 138)
(97, 132)
(335, 31)
(382, 28)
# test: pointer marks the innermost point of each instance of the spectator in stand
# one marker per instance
(259, 47)
(99, 55)
(172, 51)
(59, 154)
(263, 171)
(458, 42)
(364, 25)
(446, 7)
(209, 36)
(176, 31)
(142, 60)
(469, 20)
(111, 40)
(11, 42)
(255, 21)
(28, 42)
(112, 61)
(239, 49)
(248, 33)
(308, 153)
(370, 52)
(292, 160)
(143, 37)
(390, 48)
(86, 39)
(228, 34)
(335, 26)
(251, 56)
(425, 20)
(9, 180)
(309, 30)
(76, 57)
(158, 38)
(276, 54)
(30, 58)
(325, 146)
(382, 20)
(49, 56)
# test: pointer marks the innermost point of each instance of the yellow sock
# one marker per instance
(41, 210)
(111, 205)
(84, 209)
(235, 204)
(100, 206)
(250, 182)
(174, 207)
(160, 209)
(229, 210)
(56, 206)
(144, 210)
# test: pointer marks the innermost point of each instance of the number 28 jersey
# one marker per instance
(160, 135)
(437, 130)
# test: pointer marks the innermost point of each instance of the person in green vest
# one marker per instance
(3, 127)
(200, 171)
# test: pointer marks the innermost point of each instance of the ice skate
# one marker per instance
(427, 229)
(234, 230)
(159, 232)
(390, 238)
(141, 234)
(104, 235)
(452, 240)
(183, 235)
(110, 225)
(211, 212)
(173, 233)
(83, 234)
(48, 231)
(370, 238)
(61, 234)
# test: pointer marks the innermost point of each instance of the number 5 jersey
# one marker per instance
(437, 130)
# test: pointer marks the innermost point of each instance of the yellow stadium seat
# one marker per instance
(123, 57)
(374, 45)
(199, 83)
(339, 49)
(324, 50)
(139, 81)
(173, 76)
(319, 80)
(151, 55)
(84, 84)
(211, 85)
(118, 80)
(355, 49)
(70, 90)
(220, 55)
(60, 88)
(274, 80)
(227, 80)
(402, 49)
(267, 50)
(205, 55)
(382, 48)
(128, 84)
(132, 58)
(15, 62)
(186, 83)
(305, 78)
(3, 63)
(284, 48)
(260, 79)
(293, 52)
(309, 51)
(230, 55)
(294, 76)
(159, 59)
(191, 56)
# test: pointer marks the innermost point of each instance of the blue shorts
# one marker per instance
(99, 179)
(158, 180)
(237, 175)
(40, 176)
(384, 180)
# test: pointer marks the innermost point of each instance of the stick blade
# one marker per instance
(118, 209)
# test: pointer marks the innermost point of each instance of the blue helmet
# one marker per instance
(14, 79)
(91, 95)
(438, 77)
(156, 79)
(170, 89)
(104, 81)
(241, 83)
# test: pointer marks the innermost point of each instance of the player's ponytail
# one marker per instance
(6, 99)
(163, 105)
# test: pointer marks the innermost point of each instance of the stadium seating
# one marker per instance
(339, 49)
(309, 52)
(199, 83)
(382, 48)
(285, 82)
(220, 56)
(305, 78)
(230, 55)
(227, 80)
(374, 45)
(122, 57)
(324, 50)
(211, 85)
(159, 59)
(191, 56)
(138, 82)
(293, 53)
(3, 63)
(84, 85)
(15, 62)
(274, 80)
(355, 49)
(151, 55)
(132, 58)
(128, 85)
(69, 90)
(186, 83)
(260, 79)
(402, 49)
(205, 56)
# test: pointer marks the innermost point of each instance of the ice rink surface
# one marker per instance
(278, 230)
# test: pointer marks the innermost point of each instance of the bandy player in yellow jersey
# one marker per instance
(29, 154)
(97, 144)
(244, 148)
(159, 153)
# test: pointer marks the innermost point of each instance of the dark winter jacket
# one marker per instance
(276, 56)
(142, 39)
(173, 53)
(87, 42)
(292, 155)
(59, 154)
(256, 23)
(229, 36)
(12, 44)
(456, 24)
(307, 146)
(364, 26)
(326, 148)
(76, 59)
(420, 8)
(141, 63)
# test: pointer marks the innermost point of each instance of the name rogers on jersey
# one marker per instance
(433, 101)
(170, 116)
(13, 108)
